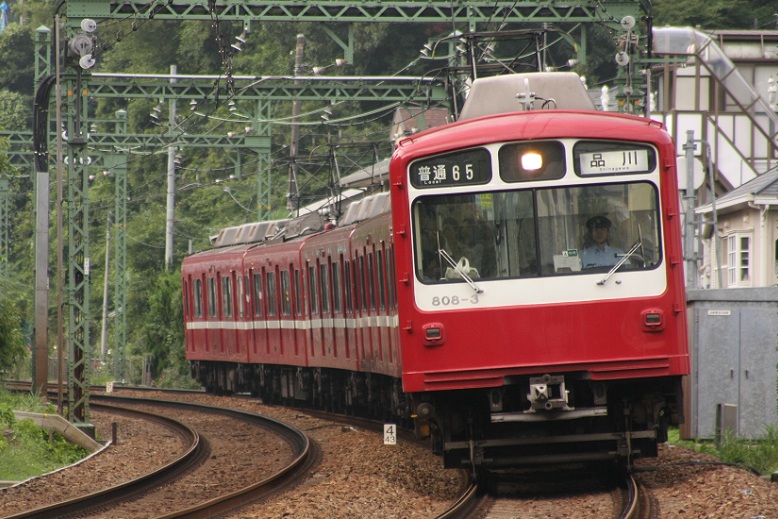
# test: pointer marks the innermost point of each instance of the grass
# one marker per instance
(25, 449)
(760, 454)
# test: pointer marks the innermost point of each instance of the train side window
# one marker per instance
(286, 296)
(258, 295)
(381, 285)
(348, 285)
(211, 297)
(371, 281)
(226, 296)
(241, 299)
(298, 291)
(362, 288)
(325, 288)
(272, 299)
(390, 277)
(313, 289)
(198, 297)
(337, 288)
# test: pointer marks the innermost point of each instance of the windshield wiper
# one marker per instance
(626, 256)
(446, 256)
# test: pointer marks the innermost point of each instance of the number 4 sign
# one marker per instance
(390, 434)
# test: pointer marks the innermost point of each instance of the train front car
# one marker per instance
(542, 307)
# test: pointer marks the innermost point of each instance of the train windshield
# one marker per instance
(537, 232)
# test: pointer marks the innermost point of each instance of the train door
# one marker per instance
(213, 331)
(339, 319)
(259, 342)
(382, 325)
(287, 331)
(327, 331)
(348, 305)
(300, 321)
(393, 324)
(315, 313)
(363, 323)
(229, 346)
(275, 351)
(374, 320)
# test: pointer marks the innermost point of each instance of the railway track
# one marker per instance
(198, 454)
(577, 492)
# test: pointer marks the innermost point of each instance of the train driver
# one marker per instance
(599, 253)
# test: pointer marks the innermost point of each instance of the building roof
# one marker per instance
(763, 190)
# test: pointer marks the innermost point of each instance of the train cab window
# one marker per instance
(286, 296)
(211, 297)
(337, 288)
(272, 298)
(313, 289)
(545, 231)
(325, 289)
(258, 299)
(226, 296)
(198, 298)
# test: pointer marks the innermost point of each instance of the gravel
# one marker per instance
(359, 476)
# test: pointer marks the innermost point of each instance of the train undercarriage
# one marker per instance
(551, 419)
(529, 421)
(340, 391)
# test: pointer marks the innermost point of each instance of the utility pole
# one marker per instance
(104, 331)
(171, 180)
(293, 194)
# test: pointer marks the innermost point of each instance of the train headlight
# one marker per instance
(531, 161)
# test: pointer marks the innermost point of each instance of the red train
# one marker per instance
(522, 300)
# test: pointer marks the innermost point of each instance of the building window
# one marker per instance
(738, 260)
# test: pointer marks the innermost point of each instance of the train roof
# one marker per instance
(524, 92)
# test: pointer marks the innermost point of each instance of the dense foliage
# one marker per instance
(203, 205)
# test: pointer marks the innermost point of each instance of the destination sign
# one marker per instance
(605, 158)
(463, 168)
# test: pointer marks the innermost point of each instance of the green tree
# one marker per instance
(17, 49)
(15, 111)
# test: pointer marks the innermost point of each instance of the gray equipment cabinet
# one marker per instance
(733, 341)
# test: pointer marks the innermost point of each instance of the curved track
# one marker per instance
(196, 451)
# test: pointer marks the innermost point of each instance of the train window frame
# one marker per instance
(211, 299)
(362, 288)
(324, 278)
(298, 292)
(313, 289)
(286, 296)
(257, 287)
(198, 298)
(272, 295)
(380, 271)
(348, 284)
(227, 301)
(239, 294)
(594, 146)
(553, 165)
(371, 285)
(337, 287)
(390, 278)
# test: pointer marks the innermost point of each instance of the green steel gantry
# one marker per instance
(79, 85)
